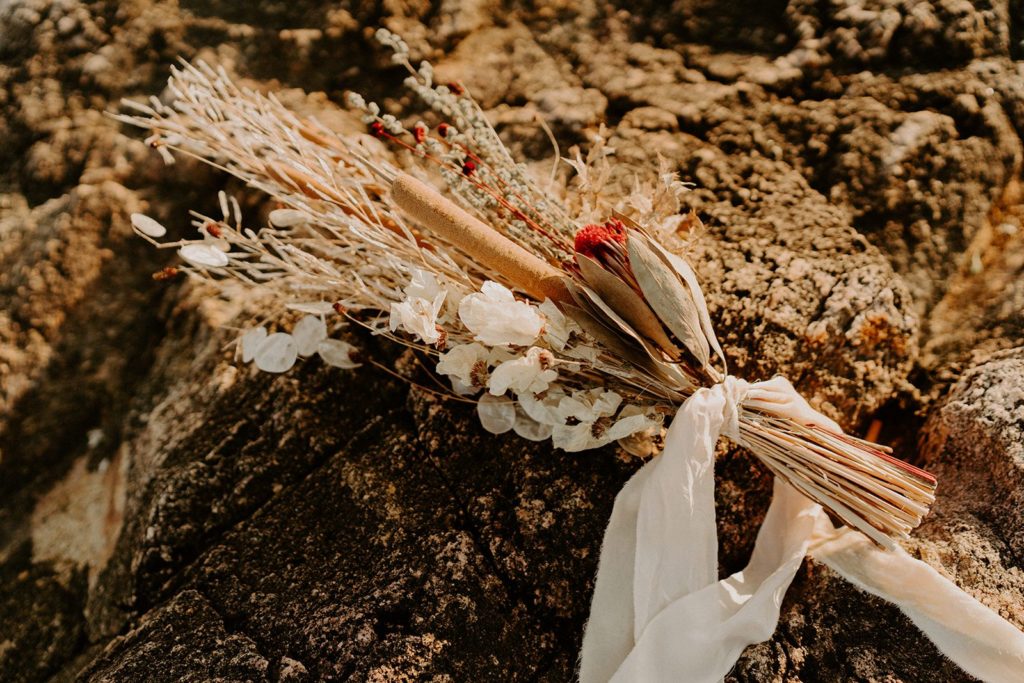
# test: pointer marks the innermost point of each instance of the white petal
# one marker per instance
(497, 413)
(508, 375)
(572, 406)
(307, 333)
(626, 426)
(276, 353)
(607, 403)
(251, 341)
(573, 438)
(495, 317)
(530, 429)
(497, 292)
(424, 285)
(286, 218)
(463, 389)
(147, 226)
(544, 410)
(203, 256)
(337, 353)
(458, 362)
(557, 328)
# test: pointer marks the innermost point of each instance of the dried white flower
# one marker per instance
(465, 364)
(276, 353)
(337, 353)
(147, 226)
(497, 413)
(589, 405)
(529, 374)
(591, 412)
(417, 314)
(308, 333)
(496, 318)
(417, 317)
(203, 255)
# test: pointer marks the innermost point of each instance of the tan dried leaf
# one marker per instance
(668, 297)
(621, 298)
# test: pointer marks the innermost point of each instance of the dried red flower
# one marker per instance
(590, 238)
(419, 133)
(468, 168)
(456, 88)
(442, 129)
(377, 129)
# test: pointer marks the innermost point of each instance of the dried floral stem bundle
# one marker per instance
(610, 332)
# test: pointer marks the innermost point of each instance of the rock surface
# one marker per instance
(168, 515)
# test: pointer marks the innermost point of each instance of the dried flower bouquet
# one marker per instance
(562, 315)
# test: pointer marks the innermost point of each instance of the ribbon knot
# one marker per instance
(734, 392)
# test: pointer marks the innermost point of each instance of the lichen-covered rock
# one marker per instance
(166, 514)
(974, 439)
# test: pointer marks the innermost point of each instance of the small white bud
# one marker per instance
(147, 226)
(203, 256)
(286, 218)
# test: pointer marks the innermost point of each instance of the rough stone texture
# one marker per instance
(168, 515)
(974, 440)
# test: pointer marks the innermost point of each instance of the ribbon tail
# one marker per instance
(661, 542)
(973, 636)
(699, 637)
(608, 636)
(676, 536)
(658, 612)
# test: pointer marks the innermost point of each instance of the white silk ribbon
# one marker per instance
(660, 614)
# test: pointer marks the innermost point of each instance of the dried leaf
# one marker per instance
(690, 278)
(622, 299)
(667, 296)
(602, 323)
(607, 338)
